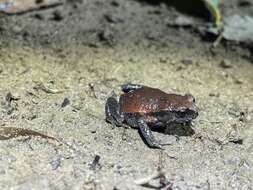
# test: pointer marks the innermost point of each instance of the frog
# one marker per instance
(147, 108)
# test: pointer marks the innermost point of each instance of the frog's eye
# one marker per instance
(190, 98)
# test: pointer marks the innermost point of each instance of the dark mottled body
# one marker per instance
(142, 107)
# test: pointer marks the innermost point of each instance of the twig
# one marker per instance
(219, 38)
(13, 132)
(144, 181)
(44, 88)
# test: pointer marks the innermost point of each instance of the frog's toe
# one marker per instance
(148, 136)
(160, 145)
(157, 145)
(165, 143)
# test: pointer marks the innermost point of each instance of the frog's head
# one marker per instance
(187, 111)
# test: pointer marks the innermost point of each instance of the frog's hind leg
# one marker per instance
(112, 111)
(147, 135)
(130, 87)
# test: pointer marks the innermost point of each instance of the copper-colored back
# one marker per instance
(148, 99)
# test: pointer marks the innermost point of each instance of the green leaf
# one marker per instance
(213, 7)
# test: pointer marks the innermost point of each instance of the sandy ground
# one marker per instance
(83, 56)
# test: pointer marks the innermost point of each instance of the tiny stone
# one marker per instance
(55, 163)
(17, 29)
(93, 131)
(163, 60)
(2, 171)
(38, 16)
(180, 67)
(65, 102)
(132, 60)
(226, 64)
(32, 116)
(214, 94)
(248, 118)
(107, 36)
(95, 162)
(57, 15)
(238, 81)
(173, 62)
(115, 3)
(112, 18)
(187, 61)
(247, 164)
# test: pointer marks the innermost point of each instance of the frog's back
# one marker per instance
(146, 99)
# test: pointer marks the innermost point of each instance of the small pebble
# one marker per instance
(9, 97)
(180, 67)
(65, 102)
(226, 64)
(163, 60)
(17, 29)
(57, 15)
(2, 171)
(95, 162)
(187, 61)
(238, 81)
(214, 94)
(38, 16)
(55, 163)
(107, 36)
(112, 18)
(115, 3)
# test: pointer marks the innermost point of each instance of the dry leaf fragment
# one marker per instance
(13, 132)
(21, 6)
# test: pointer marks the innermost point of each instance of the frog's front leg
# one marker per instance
(130, 87)
(147, 134)
(112, 111)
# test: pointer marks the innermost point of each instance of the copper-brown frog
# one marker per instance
(143, 107)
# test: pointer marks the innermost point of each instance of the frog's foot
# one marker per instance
(112, 112)
(130, 87)
(148, 136)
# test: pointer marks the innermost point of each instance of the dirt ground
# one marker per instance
(78, 53)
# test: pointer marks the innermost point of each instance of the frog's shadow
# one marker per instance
(175, 129)
(190, 7)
